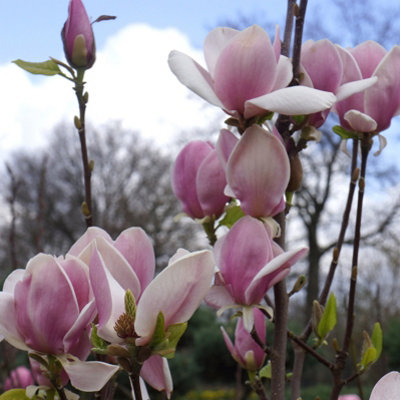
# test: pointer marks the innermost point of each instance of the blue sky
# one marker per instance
(31, 29)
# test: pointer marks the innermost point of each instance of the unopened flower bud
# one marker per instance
(316, 315)
(296, 174)
(77, 36)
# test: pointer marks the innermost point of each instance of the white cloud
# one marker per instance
(130, 82)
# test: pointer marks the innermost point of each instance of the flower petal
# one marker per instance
(193, 76)
(265, 278)
(387, 388)
(137, 249)
(359, 121)
(295, 100)
(89, 376)
(215, 42)
(156, 373)
(176, 292)
(350, 88)
(91, 234)
(258, 172)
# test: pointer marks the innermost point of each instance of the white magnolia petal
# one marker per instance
(214, 43)
(382, 144)
(193, 76)
(274, 264)
(387, 388)
(343, 147)
(143, 391)
(295, 100)
(12, 280)
(248, 318)
(351, 88)
(284, 73)
(359, 121)
(89, 376)
(218, 297)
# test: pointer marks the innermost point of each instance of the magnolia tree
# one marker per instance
(102, 297)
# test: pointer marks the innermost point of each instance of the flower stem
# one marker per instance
(135, 384)
(80, 125)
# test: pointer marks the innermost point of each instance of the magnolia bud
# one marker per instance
(77, 36)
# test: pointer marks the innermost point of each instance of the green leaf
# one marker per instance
(329, 318)
(99, 345)
(14, 394)
(232, 214)
(369, 357)
(48, 67)
(265, 372)
(159, 331)
(343, 133)
(167, 347)
(377, 339)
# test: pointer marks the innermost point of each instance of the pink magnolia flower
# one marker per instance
(387, 388)
(349, 397)
(257, 170)
(250, 263)
(246, 351)
(115, 267)
(198, 180)
(47, 308)
(130, 258)
(322, 68)
(246, 75)
(19, 377)
(78, 38)
(373, 109)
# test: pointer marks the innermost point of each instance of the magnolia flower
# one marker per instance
(246, 351)
(246, 75)
(77, 36)
(257, 170)
(387, 388)
(322, 68)
(198, 180)
(19, 377)
(47, 308)
(372, 110)
(128, 263)
(250, 263)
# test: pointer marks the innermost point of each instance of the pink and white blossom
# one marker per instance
(245, 350)
(250, 263)
(246, 75)
(387, 388)
(198, 180)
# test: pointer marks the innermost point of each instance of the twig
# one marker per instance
(87, 172)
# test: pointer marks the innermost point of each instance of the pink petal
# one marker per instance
(12, 280)
(176, 292)
(323, 64)
(210, 184)
(156, 373)
(136, 247)
(284, 73)
(109, 297)
(266, 277)
(218, 297)
(246, 68)
(184, 175)
(215, 42)
(91, 234)
(245, 250)
(368, 55)
(116, 264)
(46, 308)
(350, 88)
(359, 121)
(232, 349)
(258, 172)
(193, 76)
(89, 376)
(225, 144)
(387, 388)
(277, 43)
(8, 322)
(383, 99)
(295, 100)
